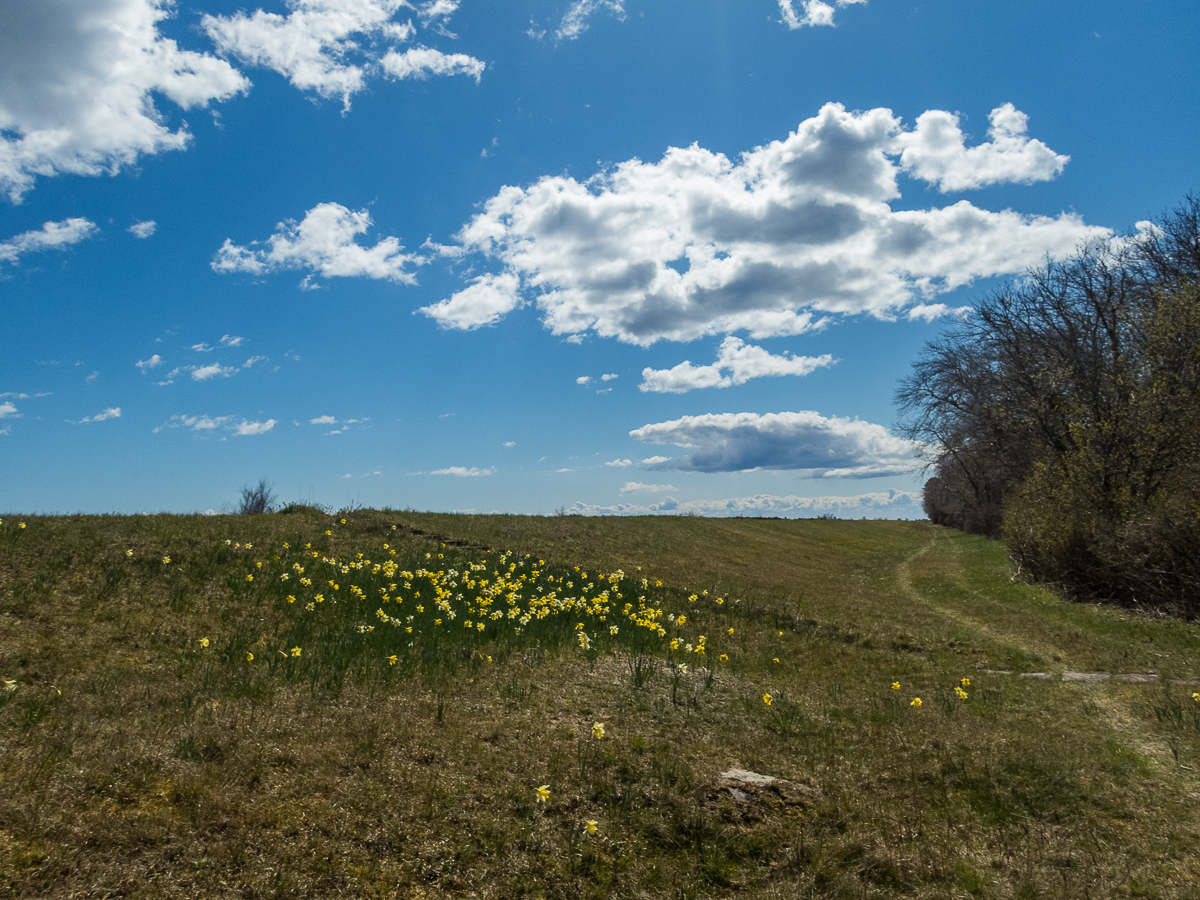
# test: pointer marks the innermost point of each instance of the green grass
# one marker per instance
(162, 737)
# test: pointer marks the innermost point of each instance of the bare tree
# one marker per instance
(257, 499)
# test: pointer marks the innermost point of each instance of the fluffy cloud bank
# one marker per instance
(742, 361)
(79, 80)
(698, 244)
(331, 47)
(51, 236)
(802, 441)
(880, 505)
(324, 243)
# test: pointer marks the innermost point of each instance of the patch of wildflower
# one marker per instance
(916, 701)
(543, 794)
(502, 598)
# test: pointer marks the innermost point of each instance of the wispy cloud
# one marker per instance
(637, 487)
(143, 230)
(577, 18)
(212, 424)
(51, 236)
(112, 413)
(463, 472)
(152, 363)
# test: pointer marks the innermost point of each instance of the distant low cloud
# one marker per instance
(737, 362)
(795, 441)
(620, 463)
(51, 236)
(637, 487)
(812, 12)
(325, 243)
(332, 48)
(8, 409)
(83, 81)
(772, 243)
(143, 230)
(890, 504)
(152, 363)
(463, 472)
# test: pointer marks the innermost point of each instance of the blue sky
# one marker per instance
(601, 256)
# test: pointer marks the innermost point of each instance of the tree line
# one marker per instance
(1062, 415)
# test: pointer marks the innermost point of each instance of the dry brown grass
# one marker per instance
(156, 774)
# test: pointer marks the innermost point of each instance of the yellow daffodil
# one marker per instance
(895, 685)
(296, 651)
(768, 699)
(249, 657)
(543, 793)
(590, 825)
(598, 730)
(203, 642)
(965, 682)
(249, 577)
(724, 658)
(392, 660)
(731, 631)
(166, 559)
(916, 701)
(10, 685)
(962, 695)
(129, 553)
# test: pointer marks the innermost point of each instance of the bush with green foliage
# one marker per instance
(1063, 415)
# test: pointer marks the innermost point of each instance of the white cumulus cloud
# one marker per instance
(247, 428)
(802, 441)
(51, 236)
(9, 409)
(620, 463)
(771, 244)
(936, 151)
(325, 243)
(737, 362)
(213, 370)
(332, 47)
(813, 12)
(80, 81)
(143, 230)
(421, 62)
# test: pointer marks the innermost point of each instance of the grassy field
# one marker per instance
(395, 704)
